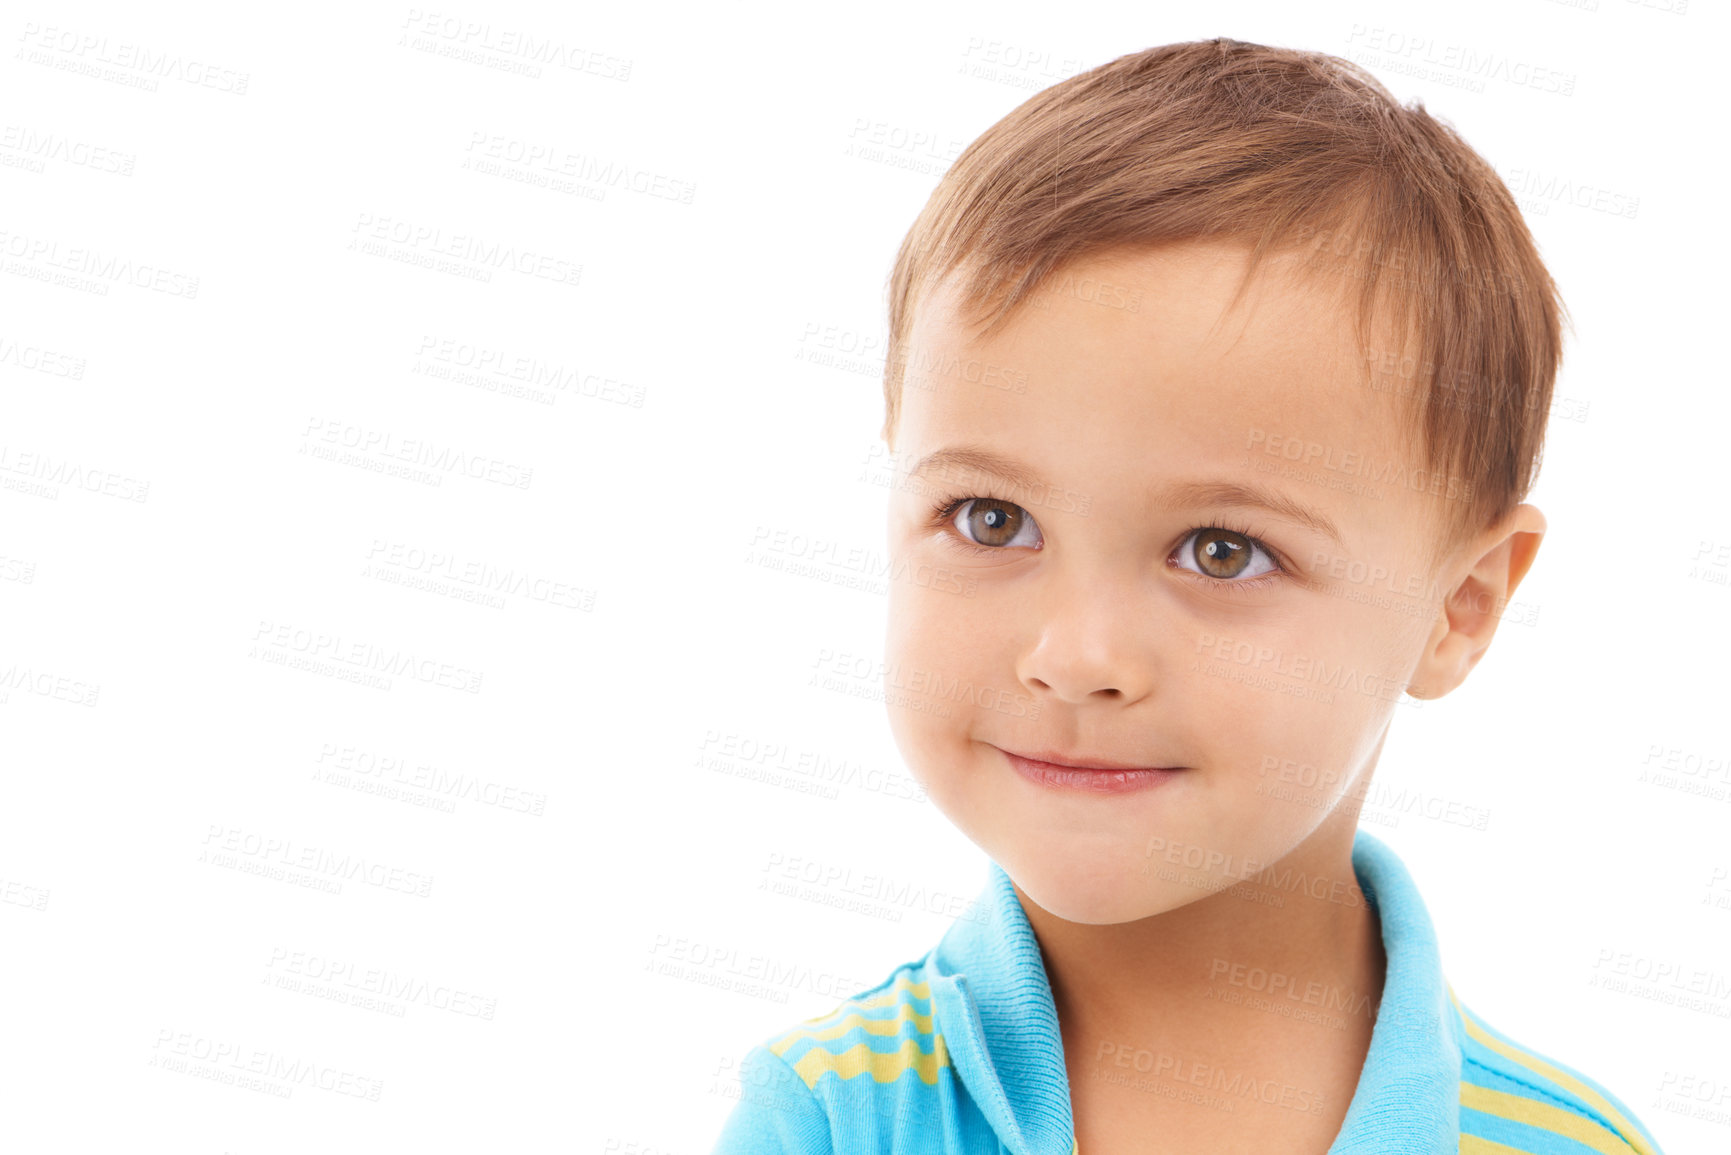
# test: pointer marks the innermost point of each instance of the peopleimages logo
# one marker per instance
(1315, 455)
(227, 1061)
(227, 845)
(913, 688)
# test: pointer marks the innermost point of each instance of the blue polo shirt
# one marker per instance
(959, 1052)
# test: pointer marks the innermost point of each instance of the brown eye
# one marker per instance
(988, 521)
(1221, 553)
(1224, 555)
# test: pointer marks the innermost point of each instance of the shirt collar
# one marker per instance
(1001, 1025)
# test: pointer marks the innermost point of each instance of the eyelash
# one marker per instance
(943, 514)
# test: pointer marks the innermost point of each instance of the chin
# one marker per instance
(1093, 896)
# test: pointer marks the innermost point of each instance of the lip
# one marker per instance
(1057, 771)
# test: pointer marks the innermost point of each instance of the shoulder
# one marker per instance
(1516, 1099)
(867, 1068)
(884, 1031)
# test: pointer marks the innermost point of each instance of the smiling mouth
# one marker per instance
(1058, 771)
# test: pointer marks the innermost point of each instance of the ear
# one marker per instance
(1482, 576)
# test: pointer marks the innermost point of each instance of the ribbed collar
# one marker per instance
(1001, 1025)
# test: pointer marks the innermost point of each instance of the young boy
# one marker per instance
(1222, 377)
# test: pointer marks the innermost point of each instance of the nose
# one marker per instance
(1088, 647)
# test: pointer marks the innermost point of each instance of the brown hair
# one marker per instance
(1286, 151)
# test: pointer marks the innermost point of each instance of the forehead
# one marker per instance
(1152, 318)
(1135, 366)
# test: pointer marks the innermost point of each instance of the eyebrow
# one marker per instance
(1230, 494)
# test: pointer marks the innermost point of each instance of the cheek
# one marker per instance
(919, 660)
(941, 626)
(944, 652)
(912, 620)
(1287, 701)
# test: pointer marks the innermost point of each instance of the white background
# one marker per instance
(173, 546)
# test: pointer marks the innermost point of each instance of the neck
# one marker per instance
(1231, 976)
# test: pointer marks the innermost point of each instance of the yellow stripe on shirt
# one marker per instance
(1547, 1116)
(1532, 1062)
(882, 1066)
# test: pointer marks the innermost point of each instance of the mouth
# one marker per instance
(1058, 771)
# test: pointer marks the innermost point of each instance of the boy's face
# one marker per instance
(1265, 658)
